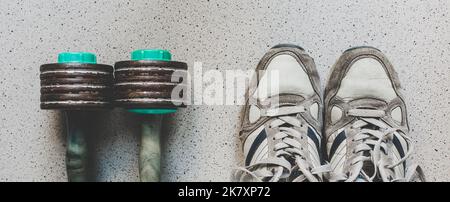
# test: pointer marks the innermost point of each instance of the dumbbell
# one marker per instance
(78, 86)
(150, 85)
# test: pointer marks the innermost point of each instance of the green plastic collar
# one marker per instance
(153, 111)
(77, 57)
(152, 54)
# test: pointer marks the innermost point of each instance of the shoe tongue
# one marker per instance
(371, 127)
(368, 167)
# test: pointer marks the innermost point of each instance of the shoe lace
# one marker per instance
(372, 141)
(289, 154)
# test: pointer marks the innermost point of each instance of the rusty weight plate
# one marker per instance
(75, 86)
(147, 84)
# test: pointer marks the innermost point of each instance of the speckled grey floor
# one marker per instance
(201, 141)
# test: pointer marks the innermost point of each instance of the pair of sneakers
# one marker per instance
(357, 132)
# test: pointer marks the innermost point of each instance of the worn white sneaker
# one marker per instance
(282, 119)
(366, 122)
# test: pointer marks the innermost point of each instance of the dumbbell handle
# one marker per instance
(150, 152)
(77, 148)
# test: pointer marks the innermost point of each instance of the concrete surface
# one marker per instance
(201, 142)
